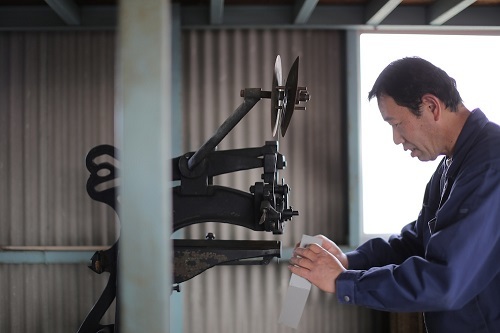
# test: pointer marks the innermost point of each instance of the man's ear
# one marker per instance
(433, 104)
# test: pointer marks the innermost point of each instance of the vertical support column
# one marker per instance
(143, 108)
(354, 150)
(177, 299)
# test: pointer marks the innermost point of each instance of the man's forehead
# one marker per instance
(387, 107)
(388, 118)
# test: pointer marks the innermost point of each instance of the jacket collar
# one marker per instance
(471, 130)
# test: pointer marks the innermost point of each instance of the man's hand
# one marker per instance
(331, 247)
(317, 265)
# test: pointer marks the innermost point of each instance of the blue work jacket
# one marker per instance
(447, 262)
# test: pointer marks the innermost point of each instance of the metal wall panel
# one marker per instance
(56, 103)
(217, 64)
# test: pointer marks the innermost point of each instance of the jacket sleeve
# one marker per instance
(379, 252)
(459, 261)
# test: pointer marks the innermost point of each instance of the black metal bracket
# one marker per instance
(264, 208)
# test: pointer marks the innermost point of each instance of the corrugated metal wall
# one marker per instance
(56, 103)
(217, 64)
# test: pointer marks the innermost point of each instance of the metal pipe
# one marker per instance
(252, 96)
(53, 248)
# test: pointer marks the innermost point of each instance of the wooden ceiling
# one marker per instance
(301, 14)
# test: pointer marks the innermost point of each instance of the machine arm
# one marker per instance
(193, 257)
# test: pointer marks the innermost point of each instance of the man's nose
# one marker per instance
(396, 137)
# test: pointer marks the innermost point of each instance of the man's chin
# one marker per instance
(426, 158)
(422, 157)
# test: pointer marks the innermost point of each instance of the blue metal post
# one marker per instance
(143, 133)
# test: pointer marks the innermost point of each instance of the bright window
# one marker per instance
(393, 183)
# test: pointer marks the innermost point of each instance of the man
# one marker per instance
(447, 262)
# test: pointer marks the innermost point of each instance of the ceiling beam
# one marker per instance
(303, 10)
(443, 10)
(67, 10)
(474, 18)
(377, 10)
(216, 11)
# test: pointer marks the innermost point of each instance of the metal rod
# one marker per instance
(252, 96)
(53, 248)
(17, 257)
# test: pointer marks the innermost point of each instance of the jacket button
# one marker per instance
(346, 298)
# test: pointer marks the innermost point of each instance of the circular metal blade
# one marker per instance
(290, 95)
(275, 101)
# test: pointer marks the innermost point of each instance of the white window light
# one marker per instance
(393, 183)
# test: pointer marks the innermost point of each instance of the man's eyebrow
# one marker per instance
(388, 119)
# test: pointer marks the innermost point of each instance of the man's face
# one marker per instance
(416, 134)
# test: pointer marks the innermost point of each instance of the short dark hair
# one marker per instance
(406, 80)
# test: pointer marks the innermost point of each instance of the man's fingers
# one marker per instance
(315, 248)
(309, 252)
(300, 271)
(301, 261)
(305, 257)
